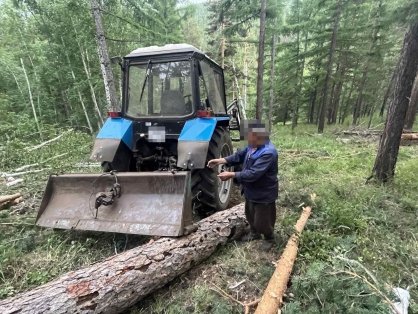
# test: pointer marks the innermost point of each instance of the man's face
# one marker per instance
(256, 139)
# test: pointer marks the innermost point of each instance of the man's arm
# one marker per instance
(257, 170)
(237, 158)
(234, 159)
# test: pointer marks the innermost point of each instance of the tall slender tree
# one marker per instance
(105, 64)
(330, 62)
(260, 66)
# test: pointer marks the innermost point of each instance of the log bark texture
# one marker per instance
(273, 295)
(8, 198)
(119, 282)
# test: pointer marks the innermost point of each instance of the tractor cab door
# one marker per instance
(211, 88)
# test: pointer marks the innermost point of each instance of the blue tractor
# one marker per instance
(154, 151)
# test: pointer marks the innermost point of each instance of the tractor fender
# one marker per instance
(115, 133)
(193, 142)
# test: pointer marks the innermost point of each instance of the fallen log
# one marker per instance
(10, 203)
(119, 282)
(7, 198)
(409, 136)
(273, 295)
(364, 133)
(409, 139)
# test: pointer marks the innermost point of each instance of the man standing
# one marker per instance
(259, 183)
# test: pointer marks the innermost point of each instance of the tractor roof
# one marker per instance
(165, 50)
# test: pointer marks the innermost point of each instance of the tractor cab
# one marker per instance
(172, 82)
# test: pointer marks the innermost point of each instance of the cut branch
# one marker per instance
(121, 281)
(48, 142)
(273, 295)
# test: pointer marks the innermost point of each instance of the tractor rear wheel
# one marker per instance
(210, 193)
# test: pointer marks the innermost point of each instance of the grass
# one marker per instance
(356, 229)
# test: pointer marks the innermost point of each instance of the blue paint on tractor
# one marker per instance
(199, 129)
(117, 128)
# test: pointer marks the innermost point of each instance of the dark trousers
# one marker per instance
(261, 218)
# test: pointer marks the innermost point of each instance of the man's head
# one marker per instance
(256, 133)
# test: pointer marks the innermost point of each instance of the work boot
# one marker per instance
(251, 236)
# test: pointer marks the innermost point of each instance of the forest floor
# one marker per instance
(358, 244)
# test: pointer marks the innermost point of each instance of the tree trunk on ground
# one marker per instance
(272, 78)
(384, 167)
(323, 109)
(412, 107)
(119, 282)
(273, 295)
(260, 69)
(105, 64)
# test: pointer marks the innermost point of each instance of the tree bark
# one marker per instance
(412, 107)
(272, 79)
(105, 64)
(273, 295)
(323, 109)
(121, 281)
(8, 198)
(260, 68)
(385, 163)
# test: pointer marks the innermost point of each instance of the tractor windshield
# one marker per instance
(159, 89)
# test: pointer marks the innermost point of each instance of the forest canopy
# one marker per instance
(332, 54)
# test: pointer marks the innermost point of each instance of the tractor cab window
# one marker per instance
(159, 89)
(211, 88)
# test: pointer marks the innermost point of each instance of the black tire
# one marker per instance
(210, 193)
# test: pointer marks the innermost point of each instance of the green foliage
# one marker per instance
(354, 226)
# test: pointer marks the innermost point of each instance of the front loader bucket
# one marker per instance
(151, 203)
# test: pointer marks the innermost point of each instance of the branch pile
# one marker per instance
(119, 282)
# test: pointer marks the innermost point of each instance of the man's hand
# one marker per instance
(215, 162)
(226, 175)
